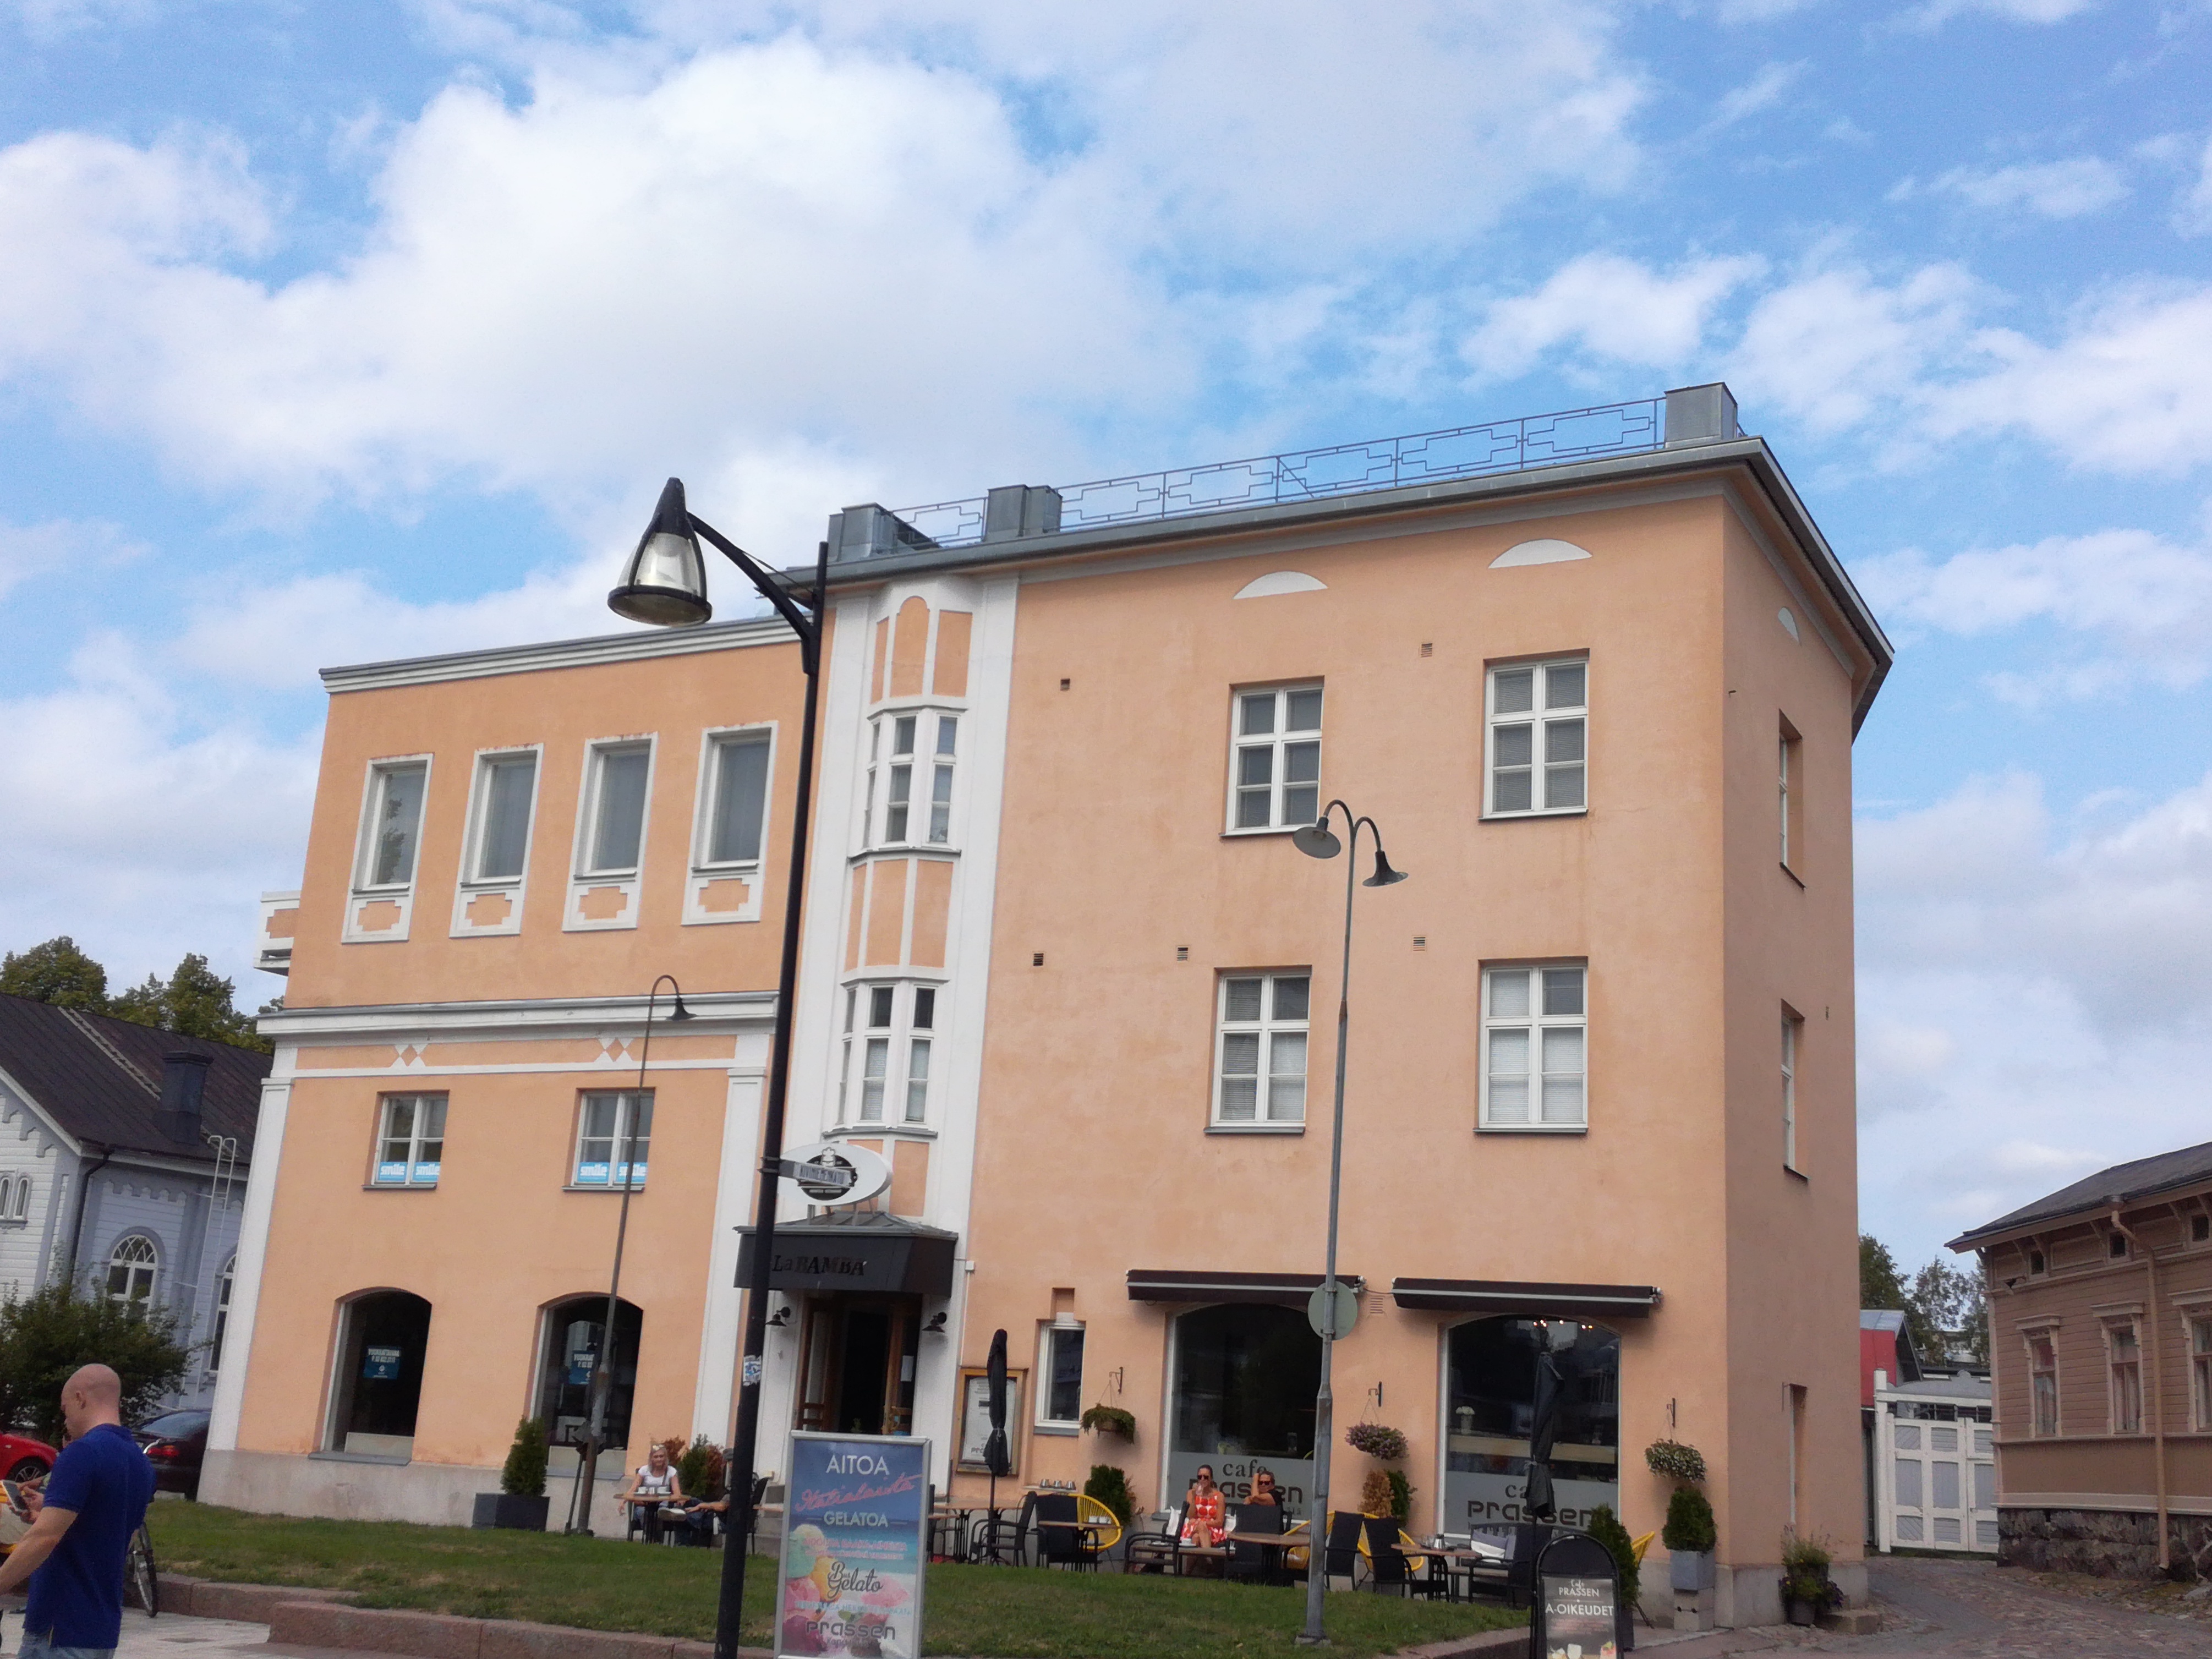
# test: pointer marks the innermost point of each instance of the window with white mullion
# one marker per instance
(411, 1142)
(614, 1138)
(1274, 762)
(941, 784)
(1260, 1048)
(2043, 1382)
(1535, 1032)
(391, 825)
(2124, 1356)
(890, 1032)
(912, 756)
(1539, 739)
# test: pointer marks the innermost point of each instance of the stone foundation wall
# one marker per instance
(2105, 1543)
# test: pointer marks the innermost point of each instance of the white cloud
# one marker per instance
(2192, 212)
(2035, 1001)
(2057, 189)
(2013, 11)
(1763, 91)
(1835, 348)
(29, 551)
(1611, 307)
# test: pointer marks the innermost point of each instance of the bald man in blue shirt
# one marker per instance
(81, 1527)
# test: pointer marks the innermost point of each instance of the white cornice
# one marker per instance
(645, 643)
(711, 1011)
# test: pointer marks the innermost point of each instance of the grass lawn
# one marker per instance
(990, 1613)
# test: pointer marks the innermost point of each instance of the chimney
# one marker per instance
(1701, 415)
(183, 1084)
(1012, 511)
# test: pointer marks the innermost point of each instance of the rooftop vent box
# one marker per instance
(869, 531)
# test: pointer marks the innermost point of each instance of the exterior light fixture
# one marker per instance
(665, 581)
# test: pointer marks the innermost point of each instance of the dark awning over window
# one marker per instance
(861, 1250)
(1521, 1299)
(1284, 1290)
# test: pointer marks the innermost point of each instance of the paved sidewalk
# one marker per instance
(170, 1637)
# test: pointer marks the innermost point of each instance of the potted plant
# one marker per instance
(1689, 1536)
(1807, 1591)
(1385, 1445)
(1605, 1527)
(520, 1502)
(1110, 1486)
(1111, 1420)
(1674, 1460)
(700, 1470)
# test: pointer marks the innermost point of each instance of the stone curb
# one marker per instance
(327, 1619)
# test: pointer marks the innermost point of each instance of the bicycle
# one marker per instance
(139, 1579)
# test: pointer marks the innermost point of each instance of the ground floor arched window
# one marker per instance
(383, 1337)
(1245, 1377)
(134, 1266)
(1496, 1406)
(570, 1346)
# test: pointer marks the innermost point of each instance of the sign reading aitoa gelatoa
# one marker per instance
(856, 1535)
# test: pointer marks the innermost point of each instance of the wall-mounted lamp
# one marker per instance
(782, 1316)
(934, 1325)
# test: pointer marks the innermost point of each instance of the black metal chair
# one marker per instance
(1253, 1563)
(1386, 1562)
(1341, 1552)
(1159, 1551)
(1514, 1578)
(1060, 1539)
(1003, 1543)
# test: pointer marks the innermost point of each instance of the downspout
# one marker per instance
(84, 1188)
(2157, 1383)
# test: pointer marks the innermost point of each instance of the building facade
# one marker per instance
(1064, 970)
(2100, 1350)
(124, 1158)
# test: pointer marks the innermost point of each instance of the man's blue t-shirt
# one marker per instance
(76, 1594)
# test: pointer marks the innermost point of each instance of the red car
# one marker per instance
(23, 1458)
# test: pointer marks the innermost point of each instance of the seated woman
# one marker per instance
(1203, 1510)
(649, 1486)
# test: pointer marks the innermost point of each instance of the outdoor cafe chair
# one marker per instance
(1158, 1551)
(1389, 1565)
(1342, 1552)
(1000, 1542)
(1253, 1563)
(1060, 1538)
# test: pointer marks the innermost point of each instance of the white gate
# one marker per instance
(1935, 1465)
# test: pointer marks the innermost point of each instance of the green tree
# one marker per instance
(1948, 1299)
(193, 1003)
(46, 1335)
(56, 972)
(1881, 1284)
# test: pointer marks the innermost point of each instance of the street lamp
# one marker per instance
(595, 1414)
(1318, 841)
(665, 583)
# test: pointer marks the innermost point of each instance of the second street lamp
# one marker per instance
(1318, 841)
(665, 583)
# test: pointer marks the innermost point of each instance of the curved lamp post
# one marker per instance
(1318, 841)
(665, 583)
(595, 1411)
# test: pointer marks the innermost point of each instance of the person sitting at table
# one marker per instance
(1264, 1491)
(650, 1485)
(1203, 1510)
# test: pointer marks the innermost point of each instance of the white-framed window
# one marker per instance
(1060, 1398)
(890, 1044)
(912, 757)
(2043, 1382)
(391, 825)
(2200, 1371)
(2123, 1360)
(1793, 1030)
(614, 1134)
(1536, 1038)
(15, 1199)
(499, 819)
(220, 1328)
(1538, 738)
(1274, 757)
(1261, 1023)
(134, 1270)
(733, 805)
(410, 1140)
(1791, 793)
(617, 781)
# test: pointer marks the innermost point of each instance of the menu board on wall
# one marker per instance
(856, 1536)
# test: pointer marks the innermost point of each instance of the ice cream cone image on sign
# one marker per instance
(821, 1577)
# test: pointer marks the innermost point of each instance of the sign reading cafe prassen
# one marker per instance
(855, 1539)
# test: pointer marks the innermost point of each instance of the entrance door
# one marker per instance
(856, 1364)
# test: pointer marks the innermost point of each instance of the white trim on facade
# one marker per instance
(252, 1248)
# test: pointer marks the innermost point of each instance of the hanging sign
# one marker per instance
(855, 1543)
(835, 1172)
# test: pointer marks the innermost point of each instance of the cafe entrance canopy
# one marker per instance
(859, 1250)
(1523, 1299)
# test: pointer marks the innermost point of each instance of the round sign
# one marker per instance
(1347, 1310)
(837, 1172)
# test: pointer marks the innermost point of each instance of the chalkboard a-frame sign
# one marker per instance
(1577, 1612)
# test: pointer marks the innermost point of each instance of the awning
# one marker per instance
(1284, 1290)
(1523, 1299)
(861, 1250)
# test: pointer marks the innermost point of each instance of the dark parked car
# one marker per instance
(23, 1458)
(175, 1443)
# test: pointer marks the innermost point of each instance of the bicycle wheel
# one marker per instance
(139, 1579)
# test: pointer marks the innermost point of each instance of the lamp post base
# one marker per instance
(1305, 1641)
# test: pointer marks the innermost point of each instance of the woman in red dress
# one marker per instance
(1203, 1509)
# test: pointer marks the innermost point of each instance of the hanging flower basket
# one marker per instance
(1675, 1461)
(1387, 1445)
(1111, 1419)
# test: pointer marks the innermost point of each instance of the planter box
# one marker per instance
(499, 1509)
(1689, 1570)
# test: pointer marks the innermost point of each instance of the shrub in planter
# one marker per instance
(700, 1471)
(1806, 1585)
(1110, 1486)
(1387, 1445)
(1374, 1495)
(1605, 1527)
(1111, 1419)
(520, 1502)
(1401, 1495)
(1689, 1535)
(1675, 1461)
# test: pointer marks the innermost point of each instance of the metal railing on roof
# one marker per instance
(1306, 475)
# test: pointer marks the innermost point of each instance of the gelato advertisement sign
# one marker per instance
(856, 1534)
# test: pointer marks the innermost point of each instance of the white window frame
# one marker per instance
(1790, 790)
(712, 746)
(2118, 1371)
(1793, 1037)
(1275, 744)
(1268, 1027)
(372, 812)
(488, 761)
(931, 779)
(915, 1031)
(1540, 717)
(1535, 1022)
(414, 1162)
(219, 1326)
(638, 1170)
(597, 754)
(1050, 1338)
(2047, 1335)
(149, 1263)
(2196, 1328)
(15, 1199)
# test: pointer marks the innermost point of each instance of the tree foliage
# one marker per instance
(1605, 1527)
(46, 1336)
(1941, 1298)
(56, 972)
(523, 1474)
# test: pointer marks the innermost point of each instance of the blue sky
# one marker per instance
(329, 333)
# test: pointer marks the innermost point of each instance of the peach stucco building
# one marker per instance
(1063, 967)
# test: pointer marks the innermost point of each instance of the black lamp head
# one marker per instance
(665, 581)
(1384, 876)
(1316, 840)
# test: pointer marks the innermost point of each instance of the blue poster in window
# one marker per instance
(855, 1539)
(379, 1364)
